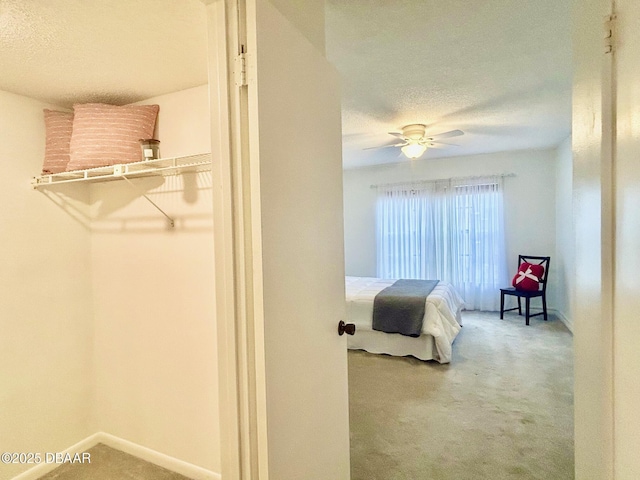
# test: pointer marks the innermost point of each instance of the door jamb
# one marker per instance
(242, 442)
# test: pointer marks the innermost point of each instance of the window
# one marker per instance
(446, 230)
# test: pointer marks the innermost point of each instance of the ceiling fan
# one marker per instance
(415, 143)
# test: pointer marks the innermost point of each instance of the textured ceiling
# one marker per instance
(116, 51)
(500, 70)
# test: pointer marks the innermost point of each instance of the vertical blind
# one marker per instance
(450, 230)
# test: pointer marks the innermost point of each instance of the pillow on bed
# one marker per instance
(528, 277)
(58, 127)
(109, 134)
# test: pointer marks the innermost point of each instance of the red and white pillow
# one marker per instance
(96, 135)
(58, 128)
(528, 277)
(109, 134)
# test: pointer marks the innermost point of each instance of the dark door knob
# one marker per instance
(349, 328)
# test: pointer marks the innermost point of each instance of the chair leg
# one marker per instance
(519, 307)
(501, 305)
(527, 312)
(544, 305)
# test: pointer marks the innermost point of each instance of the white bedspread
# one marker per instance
(442, 317)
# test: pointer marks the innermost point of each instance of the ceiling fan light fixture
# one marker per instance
(414, 132)
(413, 150)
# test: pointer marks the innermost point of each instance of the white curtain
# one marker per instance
(450, 230)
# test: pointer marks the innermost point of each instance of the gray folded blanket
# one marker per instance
(400, 307)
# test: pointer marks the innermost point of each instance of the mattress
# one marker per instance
(442, 321)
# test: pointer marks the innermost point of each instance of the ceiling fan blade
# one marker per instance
(435, 142)
(385, 146)
(452, 133)
(433, 145)
(397, 134)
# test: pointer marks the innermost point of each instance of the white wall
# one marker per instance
(565, 234)
(155, 331)
(307, 16)
(529, 203)
(45, 304)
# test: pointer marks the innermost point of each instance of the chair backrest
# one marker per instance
(544, 261)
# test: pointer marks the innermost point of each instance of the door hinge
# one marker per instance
(609, 33)
(240, 68)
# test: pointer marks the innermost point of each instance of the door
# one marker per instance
(285, 184)
(626, 180)
(296, 167)
(607, 218)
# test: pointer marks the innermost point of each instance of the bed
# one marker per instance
(442, 321)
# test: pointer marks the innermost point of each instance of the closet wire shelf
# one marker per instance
(125, 171)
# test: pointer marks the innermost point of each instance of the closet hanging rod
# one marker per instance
(419, 182)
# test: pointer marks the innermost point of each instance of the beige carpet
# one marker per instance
(503, 409)
(110, 464)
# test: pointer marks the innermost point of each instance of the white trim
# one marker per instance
(254, 334)
(228, 145)
(44, 468)
(562, 317)
(178, 466)
(170, 463)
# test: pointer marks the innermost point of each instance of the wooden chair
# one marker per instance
(541, 292)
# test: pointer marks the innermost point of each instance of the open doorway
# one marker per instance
(502, 75)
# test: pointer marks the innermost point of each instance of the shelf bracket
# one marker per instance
(171, 222)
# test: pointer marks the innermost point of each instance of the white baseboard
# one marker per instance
(152, 456)
(44, 468)
(561, 316)
(157, 458)
(567, 322)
